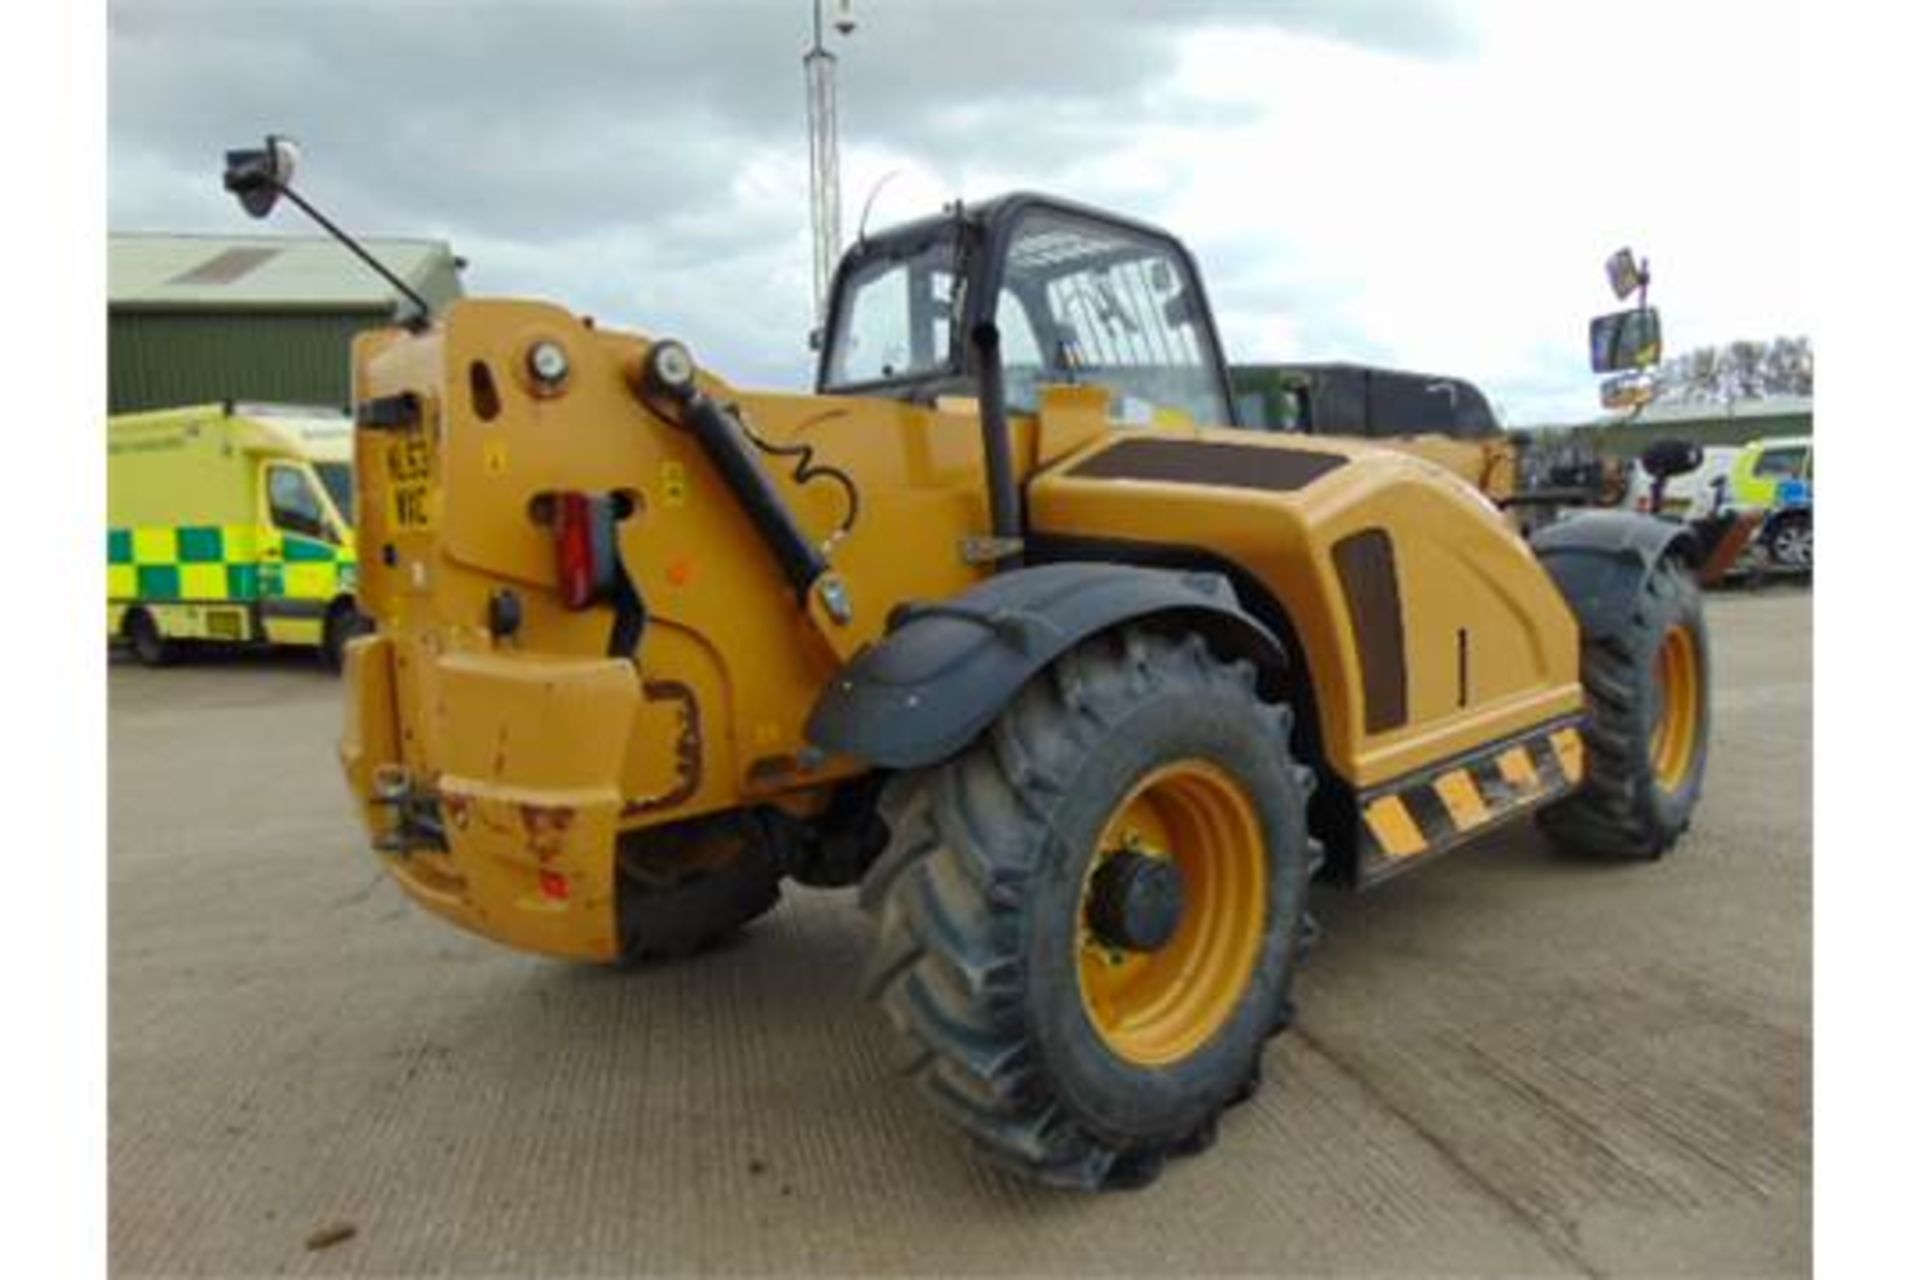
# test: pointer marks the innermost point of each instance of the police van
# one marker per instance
(232, 524)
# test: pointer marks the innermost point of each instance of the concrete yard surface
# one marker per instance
(1508, 1063)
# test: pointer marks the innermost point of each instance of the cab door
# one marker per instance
(1771, 465)
(300, 552)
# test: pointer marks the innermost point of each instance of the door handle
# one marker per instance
(271, 553)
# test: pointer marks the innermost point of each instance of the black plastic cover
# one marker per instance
(1665, 459)
(945, 670)
(1600, 561)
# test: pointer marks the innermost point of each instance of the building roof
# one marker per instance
(205, 272)
(1715, 411)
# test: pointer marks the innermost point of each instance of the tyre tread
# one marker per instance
(947, 892)
(1611, 814)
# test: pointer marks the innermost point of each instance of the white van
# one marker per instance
(1692, 496)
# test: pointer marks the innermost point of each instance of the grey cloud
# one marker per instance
(1041, 84)
(589, 150)
(586, 114)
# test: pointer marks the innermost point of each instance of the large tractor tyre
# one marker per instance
(692, 888)
(150, 648)
(1088, 921)
(1649, 718)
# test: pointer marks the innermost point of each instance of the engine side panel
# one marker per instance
(1485, 647)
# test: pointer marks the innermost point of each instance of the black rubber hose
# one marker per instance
(725, 443)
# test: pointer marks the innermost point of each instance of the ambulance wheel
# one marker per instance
(344, 622)
(150, 648)
(1088, 921)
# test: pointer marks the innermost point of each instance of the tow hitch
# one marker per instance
(416, 821)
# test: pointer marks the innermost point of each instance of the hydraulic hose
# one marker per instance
(668, 375)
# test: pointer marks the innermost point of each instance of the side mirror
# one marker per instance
(1626, 275)
(1624, 340)
(256, 177)
(1628, 391)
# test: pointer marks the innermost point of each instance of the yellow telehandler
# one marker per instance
(1010, 625)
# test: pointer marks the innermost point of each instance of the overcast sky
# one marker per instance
(1408, 182)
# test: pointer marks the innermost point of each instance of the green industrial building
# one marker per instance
(194, 319)
(1727, 423)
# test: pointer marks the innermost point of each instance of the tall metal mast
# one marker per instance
(823, 146)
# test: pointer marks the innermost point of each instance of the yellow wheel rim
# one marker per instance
(1676, 726)
(1158, 1007)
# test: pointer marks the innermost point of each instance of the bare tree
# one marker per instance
(1739, 370)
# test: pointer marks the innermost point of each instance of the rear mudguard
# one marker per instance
(944, 671)
(1601, 559)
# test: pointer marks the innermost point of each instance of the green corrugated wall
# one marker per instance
(160, 359)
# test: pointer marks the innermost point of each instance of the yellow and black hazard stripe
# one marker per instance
(1404, 821)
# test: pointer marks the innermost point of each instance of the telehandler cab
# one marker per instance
(1010, 625)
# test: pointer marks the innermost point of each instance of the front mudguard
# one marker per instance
(1601, 560)
(945, 671)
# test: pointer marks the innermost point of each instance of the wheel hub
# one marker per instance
(1172, 912)
(1135, 901)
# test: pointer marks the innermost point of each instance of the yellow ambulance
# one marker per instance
(230, 523)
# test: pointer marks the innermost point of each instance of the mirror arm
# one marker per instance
(379, 267)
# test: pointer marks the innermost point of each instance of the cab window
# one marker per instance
(1020, 358)
(894, 321)
(338, 477)
(294, 505)
(1777, 464)
(1109, 306)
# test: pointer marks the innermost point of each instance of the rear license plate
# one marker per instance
(409, 468)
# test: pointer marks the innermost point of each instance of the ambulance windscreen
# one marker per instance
(338, 477)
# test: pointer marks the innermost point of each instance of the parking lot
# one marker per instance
(1508, 1063)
